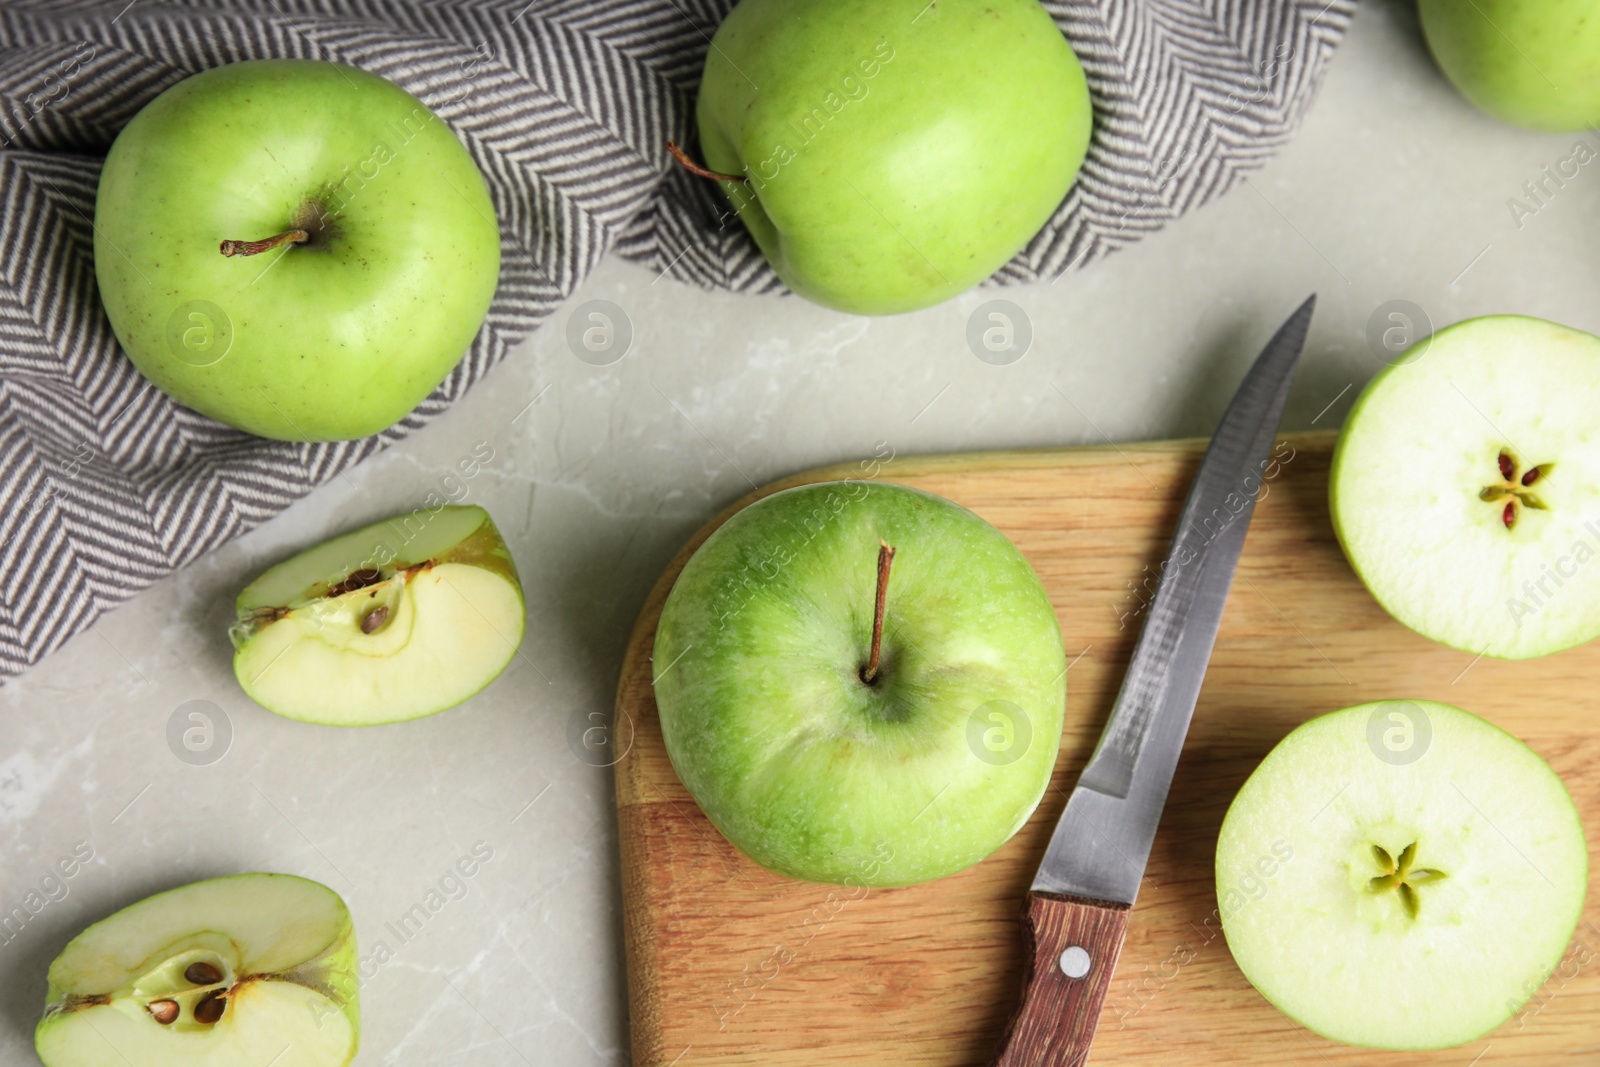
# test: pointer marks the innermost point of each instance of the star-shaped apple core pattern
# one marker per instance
(1401, 877)
(1514, 488)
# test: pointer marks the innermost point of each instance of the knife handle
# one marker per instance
(1073, 944)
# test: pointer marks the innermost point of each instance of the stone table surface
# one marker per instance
(1394, 189)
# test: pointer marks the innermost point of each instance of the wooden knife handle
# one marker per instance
(1073, 944)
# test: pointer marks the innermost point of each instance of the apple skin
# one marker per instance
(347, 333)
(898, 152)
(813, 773)
(1532, 63)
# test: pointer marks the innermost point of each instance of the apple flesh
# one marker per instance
(230, 972)
(1465, 487)
(332, 335)
(1402, 875)
(1533, 63)
(357, 631)
(762, 657)
(895, 152)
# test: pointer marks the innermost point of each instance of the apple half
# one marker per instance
(1401, 875)
(230, 972)
(397, 620)
(1465, 487)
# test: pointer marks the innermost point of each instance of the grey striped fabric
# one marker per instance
(106, 485)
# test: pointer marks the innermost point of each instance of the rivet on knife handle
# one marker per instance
(1073, 944)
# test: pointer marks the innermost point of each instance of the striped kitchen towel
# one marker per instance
(106, 485)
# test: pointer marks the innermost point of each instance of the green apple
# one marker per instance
(1533, 63)
(848, 714)
(1401, 874)
(299, 249)
(1465, 487)
(231, 972)
(403, 618)
(894, 152)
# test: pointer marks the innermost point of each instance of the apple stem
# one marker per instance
(696, 169)
(885, 560)
(251, 248)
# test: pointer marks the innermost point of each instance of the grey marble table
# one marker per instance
(1393, 190)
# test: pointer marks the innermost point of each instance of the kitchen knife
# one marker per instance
(1077, 909)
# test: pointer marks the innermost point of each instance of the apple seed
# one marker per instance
(374, 618)
(210, 1008)
(1509, 515)
(1531, 477)
(1507, 467)
(164, 1012)
(356, 580)
(203, 973)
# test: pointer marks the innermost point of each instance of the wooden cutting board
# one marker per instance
(729, 964)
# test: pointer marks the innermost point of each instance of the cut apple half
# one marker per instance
(1466, 488)
(1401, 875)
(400, 619)
(230, 972)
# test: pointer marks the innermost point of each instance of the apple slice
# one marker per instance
(1401, 874)
(230, 972)
(357, 631)
(1466, 488)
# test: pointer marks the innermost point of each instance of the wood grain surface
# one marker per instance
(1059, 1010)
(729, 964)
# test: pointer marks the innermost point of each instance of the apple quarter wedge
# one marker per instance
(229, 972)
(400, 619)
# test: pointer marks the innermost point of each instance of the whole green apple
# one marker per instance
(299, 249)
(1401, 874)
(895, 152)
(846, 713)
(1533, 63)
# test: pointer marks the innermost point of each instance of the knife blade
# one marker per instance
(1077, 908)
